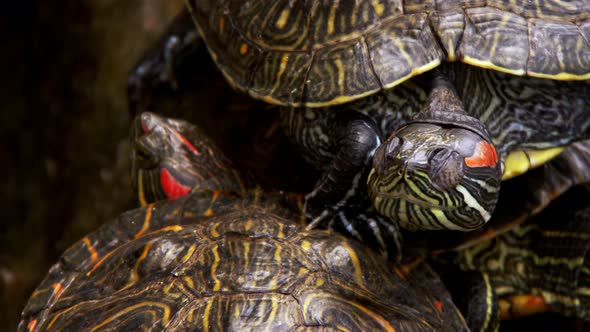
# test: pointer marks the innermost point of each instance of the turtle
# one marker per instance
(534, 252)
(225, 256)
(540, 266)
(485, 284)
(529, 258)
(138, 272)
(414, 110)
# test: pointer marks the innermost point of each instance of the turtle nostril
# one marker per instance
(393, 147)
(446, 168)
(438, 155)
(145, 120)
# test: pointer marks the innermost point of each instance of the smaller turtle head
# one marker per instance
(440, 171)
(171, 158)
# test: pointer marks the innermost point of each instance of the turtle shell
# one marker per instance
(542, 265)
(211, 261)
(318, 53)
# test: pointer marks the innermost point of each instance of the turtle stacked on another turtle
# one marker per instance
(429, 151)
(223, 257)
(516, 92)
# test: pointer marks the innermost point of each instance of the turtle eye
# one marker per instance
(393, 147)
(143, 156)
(446, 168)
(438, 156)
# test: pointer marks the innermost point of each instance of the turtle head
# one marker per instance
(171, 158)
(440, 171)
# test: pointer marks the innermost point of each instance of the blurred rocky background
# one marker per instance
(63, 127)
(64, 123)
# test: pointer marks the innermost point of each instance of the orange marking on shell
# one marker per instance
(99, 263)
(209, 211)
(243, 49)
(173, 228)
(134, 273)
(146, 221)
(484, 156)
(439, 306)
(525, 305)
(400, 273)
(408, 267)
(31, 325)
(93, 253)
(57, 289)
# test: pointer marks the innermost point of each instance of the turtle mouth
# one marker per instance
(415, 201)
(149, 121)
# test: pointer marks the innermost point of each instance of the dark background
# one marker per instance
(63, 131)
(63, 127)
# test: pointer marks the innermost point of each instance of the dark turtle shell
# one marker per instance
(317, 53)
(214, 261)
(542, 265)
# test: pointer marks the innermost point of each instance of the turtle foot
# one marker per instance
(366, 225)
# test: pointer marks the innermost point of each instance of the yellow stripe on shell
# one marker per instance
(91, 249)
(489, 65)
(134, 272)
(562, 76)
(282, 21)
(217, 259)
(271, 317)
(521, 161)
(189, 282)
(206, 314)
(416, 71)
(332, 17)
(377, 317)
(489, 306)
(340, 70)
(358, 271)
(378, 7)
(191, 250)
(346, 98)
(164, 319)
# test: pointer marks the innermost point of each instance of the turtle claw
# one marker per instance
(159, 69)
(380, 233)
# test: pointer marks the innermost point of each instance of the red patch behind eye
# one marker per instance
(483, 156)
(171, 186)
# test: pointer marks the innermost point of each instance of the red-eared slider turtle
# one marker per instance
(435, 146)
(528, 265)
(218, 257)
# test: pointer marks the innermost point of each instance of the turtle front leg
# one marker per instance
(345, 142)
(355, 138)
(159, 69)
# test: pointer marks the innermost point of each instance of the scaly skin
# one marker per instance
(227, 258)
